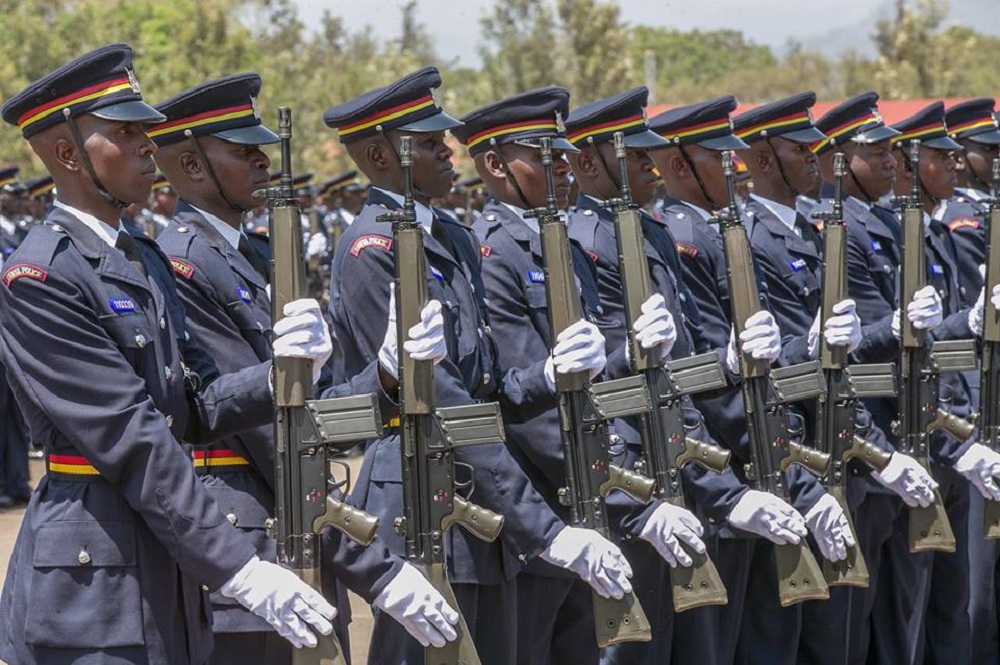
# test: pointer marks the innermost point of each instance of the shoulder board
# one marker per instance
(371, 240)
(182, 268)
(963, 223)
(19, 270)
(485, 250)
(689, 250)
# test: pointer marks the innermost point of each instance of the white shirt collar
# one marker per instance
(972, 193)
(104, 231)
(424, 214)
(780, 210)
(8, 226)
(231, 235)
(347, 216)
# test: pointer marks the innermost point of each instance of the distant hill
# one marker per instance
(979, 14)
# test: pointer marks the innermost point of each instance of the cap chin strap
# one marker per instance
(211, 171)
(697, 176)
(869, 199)
(984, 186)
(510, 174)
(781, 168)
(607, 167)
(88, 165)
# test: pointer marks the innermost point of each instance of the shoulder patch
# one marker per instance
(182, 268)
(689, 250)
(20, 270)
(485, 250)
(371, 240)
(593, 255)
(963, 223)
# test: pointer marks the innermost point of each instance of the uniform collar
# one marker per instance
(704, 214)
(424, 214)
(229, 234)
(104, 231)
(779, 210)
(972, 193)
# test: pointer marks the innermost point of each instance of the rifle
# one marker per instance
(920, 368)
(317, 283)
(666, 447)
(989, 397)
(304, 428)
(837, 432)
(772, 450)
(430, 435)
(584, 409)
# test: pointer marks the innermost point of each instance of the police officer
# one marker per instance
(481, 574)
(119, 537)
(217, 168)
(555, 610)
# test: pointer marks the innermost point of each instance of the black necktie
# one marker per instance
(252, 256)
(809, 232)
(126, 243)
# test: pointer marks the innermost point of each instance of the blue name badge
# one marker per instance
(122, 304)
(437, 274)
(243, 294)
(797, 264)
(536, 276)
(876, 246)
(936, 270)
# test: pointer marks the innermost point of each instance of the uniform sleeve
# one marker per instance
(365, 570)
(367, 381)
(93, 395)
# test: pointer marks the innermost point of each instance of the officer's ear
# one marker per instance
(585, 162)
(676, 164)
(376, 153)
(64, 151)
(763, 160)
(493, 165)
(191, 166)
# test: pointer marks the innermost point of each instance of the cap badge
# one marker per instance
(876, 116)
(133, 82)
(560, 124)
(256, 109)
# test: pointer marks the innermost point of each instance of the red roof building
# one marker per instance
(892, 110)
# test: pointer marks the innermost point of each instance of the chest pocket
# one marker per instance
(254, 325)
(798, 274)
(132, 334)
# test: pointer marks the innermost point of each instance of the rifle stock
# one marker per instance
(771, 449)
(666, 448)
(989, 408)
(582, 425)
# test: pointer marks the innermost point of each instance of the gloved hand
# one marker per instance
(595, 559)
(907, 478)
(841, 329)
(830, 528)
(317, 245)
(426, 338)
(418, 607)
(768, 516)
(761, 339)
(579, 347)
(667, 527)
(924, 311)
(302, 333)
(978, 310)
(981, 465)
(655, 327)
(293, 608)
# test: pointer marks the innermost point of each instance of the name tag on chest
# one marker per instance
(244, 294)
(797, 265)
(536, 276)
(936, 269)
(122, 305)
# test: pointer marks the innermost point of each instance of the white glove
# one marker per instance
(841, 329)
(924, 311)
(980, 465)
(426, 338)
(830, 528)
(655, 327)
(761, 339)
(768, 516)
(418, 607)
(302, 333)
(293, 608)
(594, 558)
(317, 245)
(977, 312)
(578, 347)
(667, 527)
(907, 478)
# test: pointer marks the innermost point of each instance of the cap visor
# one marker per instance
(721, 143)
(991, 137)
(808, 135)
(559, 143)
(438, 122)
(254, 135)
(941, 143)
(875, 135)
(646, 140)
(130, 111)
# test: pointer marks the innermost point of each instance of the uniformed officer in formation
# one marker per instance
(141, 368)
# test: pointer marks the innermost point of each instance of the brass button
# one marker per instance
(83, 557)
(232, 518)
(170, 421)
(167, 372)
(163, 323)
